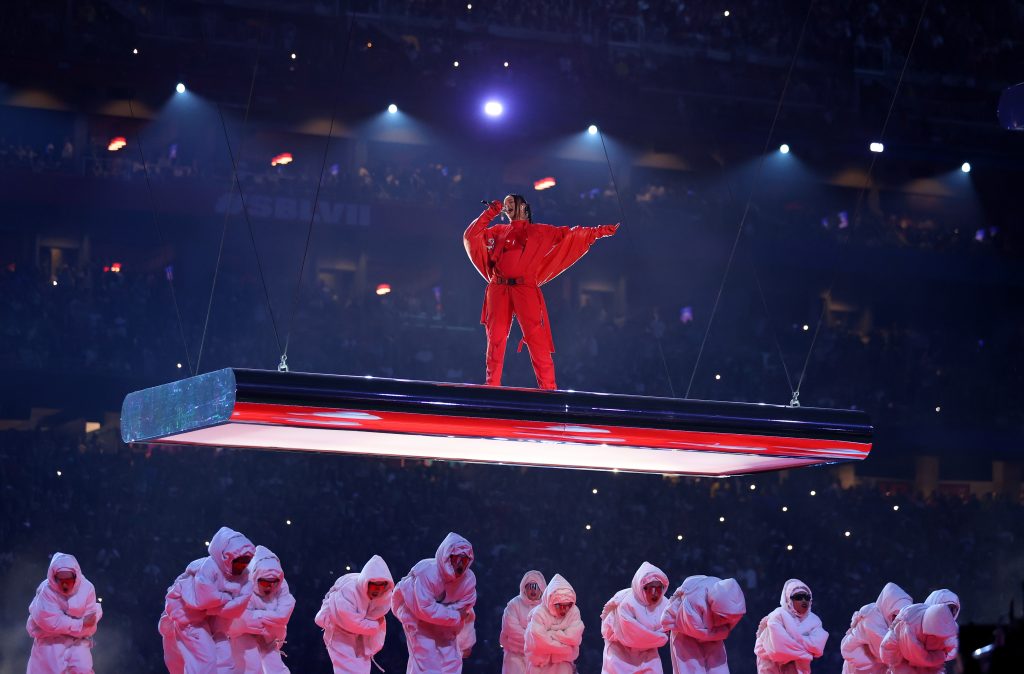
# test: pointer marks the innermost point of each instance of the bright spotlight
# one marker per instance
(592, 129)
(493, 108)
(876, 147)
(456, 64)
(965, 167)
(725, 13)
(392, 108)
(180, 88)
(135, 51)
(383, 289)
(784, 149)
(506, 64)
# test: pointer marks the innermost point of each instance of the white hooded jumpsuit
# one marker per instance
(257, 636)
(206, 590)
(552, 644)
(354, 625)
(62, 642)
(948, 599)
(862, 643)
(513, 624)
(917, 641)
(435, 608)
(632, 628)
(700, 615)
(786, 643)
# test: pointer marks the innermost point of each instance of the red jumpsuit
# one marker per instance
(516, 260)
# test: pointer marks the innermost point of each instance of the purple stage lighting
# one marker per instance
(493, 108)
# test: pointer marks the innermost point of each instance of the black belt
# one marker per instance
(517, 281)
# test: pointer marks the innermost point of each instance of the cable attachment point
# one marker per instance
(795, 402)
(283, 365)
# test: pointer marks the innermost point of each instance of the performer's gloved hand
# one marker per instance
(607, 230)
(494, 208)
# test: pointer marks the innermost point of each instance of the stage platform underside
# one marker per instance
(464, 422)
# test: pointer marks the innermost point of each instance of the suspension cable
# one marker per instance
(622, 216)
(160, 237)
(746, 209)
(283, 364)
(827, 299)
(236, 183)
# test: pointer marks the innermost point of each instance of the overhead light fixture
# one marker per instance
(116, 143)
(493, 108)
(282, 159)
(876, 147)
(544, 183)
(180, 88)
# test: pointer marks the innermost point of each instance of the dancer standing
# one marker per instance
(258, 635)
(918, 641)
(554, 631)
(435, 604)
(353, 617)
(514, 619)
(791, 636)
(950, 600)
(868, 626)
(631, 624)
(215, 587)
(516, 259)
(62, 620)
(700, 615)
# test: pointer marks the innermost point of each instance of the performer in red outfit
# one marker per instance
(516, 259)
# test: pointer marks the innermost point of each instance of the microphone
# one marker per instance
(485, 202)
